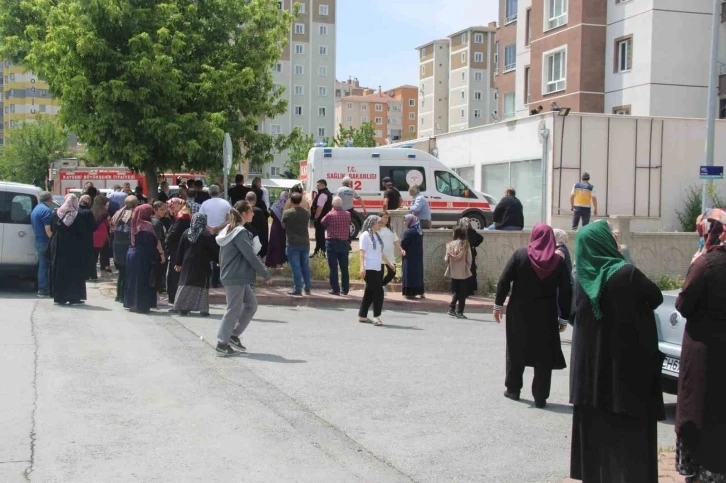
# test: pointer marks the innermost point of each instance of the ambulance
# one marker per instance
(449, 198)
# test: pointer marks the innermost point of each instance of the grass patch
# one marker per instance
(668, 282)
(319, 268)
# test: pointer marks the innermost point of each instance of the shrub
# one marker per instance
(668, 282)
(691, 209)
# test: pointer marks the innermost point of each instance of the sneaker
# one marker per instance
(235, 341)
(461, 316)
(224, 350)
(451, 313)
(43, 295)
(514, 396)
(294, 293)
(343, 293)
(307, 291)
(333, 292)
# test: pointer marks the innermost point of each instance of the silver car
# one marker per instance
(670, 324)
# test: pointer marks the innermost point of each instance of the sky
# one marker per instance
(377, 38)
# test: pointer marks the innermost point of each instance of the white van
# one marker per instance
(17, 239)
(450, 198)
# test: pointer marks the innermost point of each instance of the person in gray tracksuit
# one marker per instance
(239, 266)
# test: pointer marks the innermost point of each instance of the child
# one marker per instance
(458, 259)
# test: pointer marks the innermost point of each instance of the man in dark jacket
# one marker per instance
(239, 192)
(258, 226)
(509, 213)
(321, 206)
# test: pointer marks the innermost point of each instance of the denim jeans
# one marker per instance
(580, 213)
(299, 258)
(43, 266)
(337, 252)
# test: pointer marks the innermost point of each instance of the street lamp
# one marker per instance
(711, 104)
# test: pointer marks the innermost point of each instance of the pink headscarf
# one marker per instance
(141, 221)
(68, 210)
(541, 251)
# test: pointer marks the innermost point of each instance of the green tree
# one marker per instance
(30, 148)
(298, 145)
(155, 85)
(363, 137)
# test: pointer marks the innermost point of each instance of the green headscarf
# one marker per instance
(598, 259)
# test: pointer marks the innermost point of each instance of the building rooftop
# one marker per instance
(476, 28)
(380, 98)
(431, 43)
(405, 86)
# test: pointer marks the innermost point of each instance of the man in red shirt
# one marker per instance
(337, 231)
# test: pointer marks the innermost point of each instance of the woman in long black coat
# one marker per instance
(615, 381)
(535, 275)
(182, 220)
(475, 239)
(197, 250)
(144, 254)
(121, 229)
(68, 270)
(701, 413)
(413, 258)
(89, 252)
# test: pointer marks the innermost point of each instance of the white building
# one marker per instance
(433, 101)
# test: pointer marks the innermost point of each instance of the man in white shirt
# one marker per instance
(216, 210)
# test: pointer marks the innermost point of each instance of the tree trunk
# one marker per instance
(152, 184)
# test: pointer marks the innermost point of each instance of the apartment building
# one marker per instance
(24, 97)
(306, 71)
(605, 56)
(384, 112)
(471, 93)
(433, 99)
(408, 97)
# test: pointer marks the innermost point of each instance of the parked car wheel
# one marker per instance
(478, 222)
(354, 227)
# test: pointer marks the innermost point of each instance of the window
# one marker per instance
(16, 208)
(478, 38)
(275, 171)
(510, 11)
(42, 107)
(12, 108)
(379, 120)
(302, 8)
(423, 52)
(379, 133)
(623, 54)
(363, 119)
(555, 13)
(379, 107)
(463, 38)
(463, 57)
(298, 110)
(477, 95)
(423, 70)
(299, 28)
(412, 116)
(277, 68)
(299, 90)
(276, 129)
(620, 1)
(364, 107)
(400, 174)
(477, 113)
(299, 70)
(411, 128)
(349, 119)
(422, 120)
(508, 105)
(463, 94)
(323, 50)
(463, 76)
(510, 57)
(526, 85)
(478, 57)
(323, 30)
(299, 49)
(322, 91)
(622, 110)
(478, 76)
(412, 102)
(528, 28)
(555, 71)
(496, 57)
(321, 132)
(349, 105)
(323, 10)
(322, 112)
(323, 71)
(12, 77)
(448, 184)
(463, 113)
(276, 87)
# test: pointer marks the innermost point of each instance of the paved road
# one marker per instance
(97, 394)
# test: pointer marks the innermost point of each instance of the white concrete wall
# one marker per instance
(523, 59)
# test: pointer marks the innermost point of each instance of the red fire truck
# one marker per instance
(62, 180)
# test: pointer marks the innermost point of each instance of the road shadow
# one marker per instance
(550, 407)
(89, 308)
(273, 358)
(17, 288)
(400, 327)
(268, 321)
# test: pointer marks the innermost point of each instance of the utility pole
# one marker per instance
(712, 103)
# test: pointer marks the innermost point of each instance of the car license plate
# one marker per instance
(671, 365)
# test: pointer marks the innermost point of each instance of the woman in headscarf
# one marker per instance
(372, 258)
(121, 227)
(276, 246)
(182, 221)
(67, 268)
(145, 252)
(197, 251)
(474, 239)
(535, 275)
(85, 215)
(412, 253)
(701, 411)
(561, 239)
(100, 235)
(615, 381)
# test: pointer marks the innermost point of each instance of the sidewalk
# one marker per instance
(666, 470)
